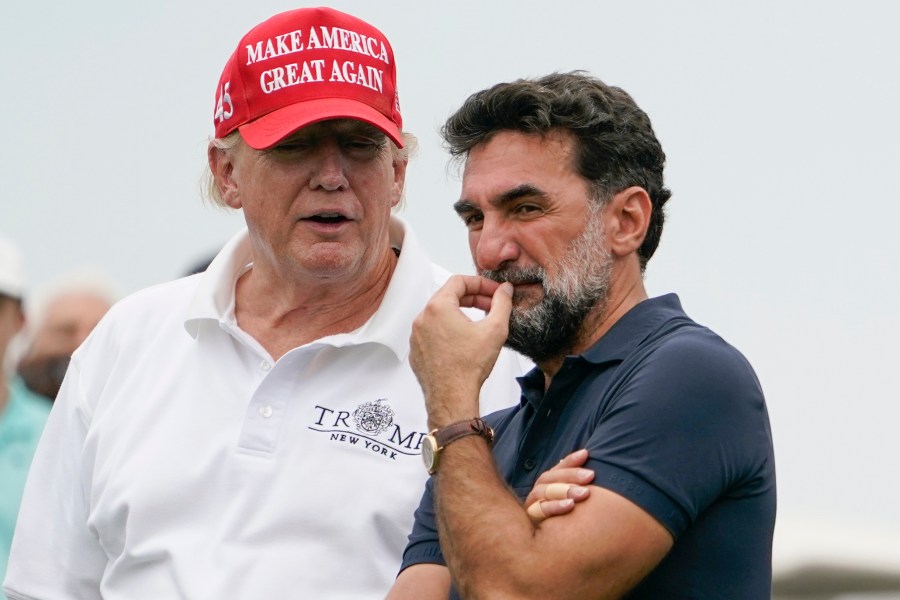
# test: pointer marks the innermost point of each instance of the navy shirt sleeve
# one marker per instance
(684, 426)
(423, 545)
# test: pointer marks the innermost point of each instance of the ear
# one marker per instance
(626, 218)
(399, 167)
(221, 164)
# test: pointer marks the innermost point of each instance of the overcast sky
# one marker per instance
(779, 119)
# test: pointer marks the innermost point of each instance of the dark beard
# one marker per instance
(550, 328)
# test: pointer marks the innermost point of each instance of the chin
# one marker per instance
(524, 300)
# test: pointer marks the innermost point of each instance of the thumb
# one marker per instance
(501, 306)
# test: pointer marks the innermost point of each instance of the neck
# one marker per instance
(282, 316)
(624, 296)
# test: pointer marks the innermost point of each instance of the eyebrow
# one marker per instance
(511, 195)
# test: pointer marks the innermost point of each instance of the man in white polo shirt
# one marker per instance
(255, 431)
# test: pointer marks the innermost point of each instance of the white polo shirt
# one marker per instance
(181, 461)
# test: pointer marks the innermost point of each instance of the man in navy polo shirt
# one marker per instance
(563, 199)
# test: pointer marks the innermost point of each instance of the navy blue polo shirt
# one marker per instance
(674, 419)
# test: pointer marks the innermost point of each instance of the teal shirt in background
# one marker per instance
(21, 423)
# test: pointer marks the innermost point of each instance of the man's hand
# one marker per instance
(556, 491)
(452, 355)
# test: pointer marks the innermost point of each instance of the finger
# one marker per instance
(576, 459)
(573, 492)
(564, 488)
(536, 512)
(482, 303)
(501, 306)
(557, 491)
(543, 510)
(577, 475)
(474, 292)
(462, 286)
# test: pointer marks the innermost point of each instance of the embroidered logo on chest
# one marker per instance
(375, 429)
(373, 417)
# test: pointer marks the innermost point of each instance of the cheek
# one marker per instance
(376, 192)
(474, 238)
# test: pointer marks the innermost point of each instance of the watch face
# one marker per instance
(429, 453)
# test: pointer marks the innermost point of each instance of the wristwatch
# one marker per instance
(439, 439)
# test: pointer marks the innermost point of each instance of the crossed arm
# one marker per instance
(600, 550)
(569, 481)
(493, 547)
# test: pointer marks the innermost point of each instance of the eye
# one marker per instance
(471, 219)
(362, 146)
(526, 209)
(361, 143)
(290, 146)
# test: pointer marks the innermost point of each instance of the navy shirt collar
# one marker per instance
(633, 328)
(625, 335)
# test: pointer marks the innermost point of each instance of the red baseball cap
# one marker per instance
(304, 66)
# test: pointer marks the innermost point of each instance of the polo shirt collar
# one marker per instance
(633, 328)
(407, 292)
(410, 289)
(214, 297)
(624, 336)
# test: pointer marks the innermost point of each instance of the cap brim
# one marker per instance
(273, 127)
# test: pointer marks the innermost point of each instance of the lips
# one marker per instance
(328, 217)
(532, 275)
(525, 281)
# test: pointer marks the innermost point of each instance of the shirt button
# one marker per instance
(265, 411)
(265, 366)
(529, 464)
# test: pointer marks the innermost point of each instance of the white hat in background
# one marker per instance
(12, 270)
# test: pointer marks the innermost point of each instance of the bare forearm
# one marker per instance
(495, 551)
(483, 528)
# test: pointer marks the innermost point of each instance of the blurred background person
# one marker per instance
(22, 413)
(59, 318)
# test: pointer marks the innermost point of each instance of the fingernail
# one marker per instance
(585, 474)
(567, 502)
(578, 491)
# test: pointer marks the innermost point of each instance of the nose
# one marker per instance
(328, 168)
(493, 245)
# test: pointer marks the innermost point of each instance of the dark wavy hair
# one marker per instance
(615, 146)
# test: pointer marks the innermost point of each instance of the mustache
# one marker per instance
(516, 275)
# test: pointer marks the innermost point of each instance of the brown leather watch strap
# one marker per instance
(451, 433)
